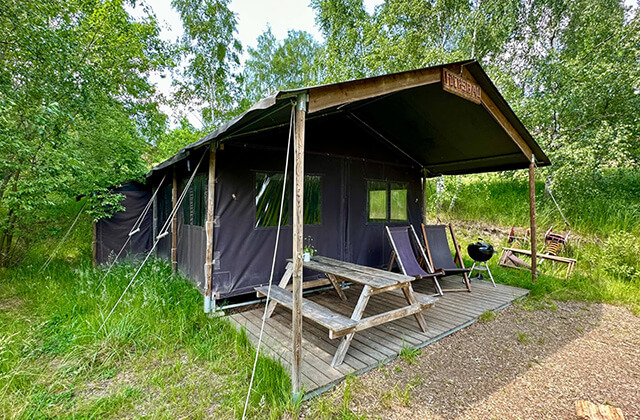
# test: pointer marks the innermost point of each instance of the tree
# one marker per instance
(168, 144)
(211, 56)
(570, 69)
(76, 108)
(345, 25)
(295, 62)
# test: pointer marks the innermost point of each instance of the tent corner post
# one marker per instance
(424, 198)
(209, 226)
(532, 216)
(207, 304)
(298, 225)
(174, 222)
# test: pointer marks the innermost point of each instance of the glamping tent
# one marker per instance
(368, 145)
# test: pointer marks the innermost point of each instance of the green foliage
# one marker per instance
(75, 104)
(409, 354)
(621, 256)
(170, 143)
(487, 316)
(599, 203)
(158, 352)
(345, 25)
(211, 56)
(272, 65)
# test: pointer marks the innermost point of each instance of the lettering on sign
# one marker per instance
(457, 85)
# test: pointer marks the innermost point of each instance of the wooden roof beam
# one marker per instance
(447, 166)
(323, 97)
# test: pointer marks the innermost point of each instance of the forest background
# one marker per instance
(78, 113)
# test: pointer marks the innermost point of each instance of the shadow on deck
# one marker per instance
(375, 346)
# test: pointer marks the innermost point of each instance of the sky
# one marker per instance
(253, 17)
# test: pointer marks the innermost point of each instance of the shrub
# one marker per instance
(621, 256)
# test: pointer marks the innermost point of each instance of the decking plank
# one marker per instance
(311, 373)
(318, 357)
(355, 358)
(377, 344)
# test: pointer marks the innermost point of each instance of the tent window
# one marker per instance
(269, 194)
(164, 205)
(194, 202)
(312, 200)
(398, 202)
(377, 201)
(386, 201)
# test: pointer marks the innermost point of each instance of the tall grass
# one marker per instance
(595, 203)
(55, 360)
(603, 210)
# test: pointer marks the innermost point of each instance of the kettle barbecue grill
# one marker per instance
(481, 252)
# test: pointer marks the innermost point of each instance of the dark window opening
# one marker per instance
(269, 196)
(164, 205)
(194, 205)
(312, 213)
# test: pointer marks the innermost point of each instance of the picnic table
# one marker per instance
(373, 280)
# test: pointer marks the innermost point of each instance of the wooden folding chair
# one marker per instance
(439, 253)
(403, 253)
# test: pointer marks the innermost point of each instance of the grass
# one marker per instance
(158, 355)
(487, 316)
(523, 338)
(598, 204)
(331, 406)
(409, 354)
(604, 211)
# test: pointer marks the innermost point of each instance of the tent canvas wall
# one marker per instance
(369, 143)
(112, 233)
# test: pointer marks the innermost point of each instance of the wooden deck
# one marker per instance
(375, 346)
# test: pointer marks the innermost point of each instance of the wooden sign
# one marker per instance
(460, 86)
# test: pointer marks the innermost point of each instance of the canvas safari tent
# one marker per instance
(366, 145)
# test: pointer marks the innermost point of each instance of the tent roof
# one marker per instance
(409, 113)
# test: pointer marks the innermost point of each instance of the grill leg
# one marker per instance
(490, 275)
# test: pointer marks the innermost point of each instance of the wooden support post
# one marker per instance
(174, 223)
(532, 215)
(424, 200)
(94, 244)
(211, 194)
(154, 206)
(298, 225)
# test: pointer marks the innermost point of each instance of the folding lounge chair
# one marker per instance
(403, 252)
(555, 243)
(437, 246)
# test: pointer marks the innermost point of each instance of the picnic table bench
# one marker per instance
(373, 280)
